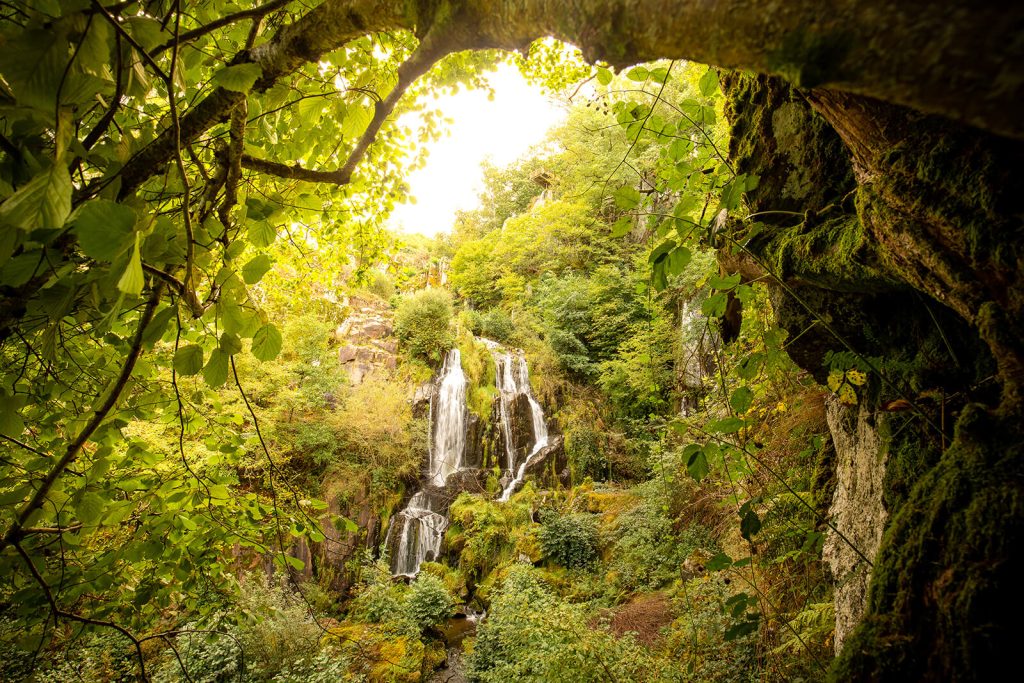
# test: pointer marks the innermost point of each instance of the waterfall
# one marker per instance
(422, 523)
(448, 420)
(423, 530)
(512, 378)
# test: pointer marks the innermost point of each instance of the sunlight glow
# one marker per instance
(503, 129)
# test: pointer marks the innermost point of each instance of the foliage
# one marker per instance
(570, 540)
(429, 601)
(532, 635)
(422, 323)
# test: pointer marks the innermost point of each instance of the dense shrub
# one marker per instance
(570, 540)
(532, 635)
(423, 324)
(429, 602)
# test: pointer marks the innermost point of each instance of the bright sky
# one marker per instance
(502, 129)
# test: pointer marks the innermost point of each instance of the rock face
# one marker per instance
(366, 342)
(858, 510)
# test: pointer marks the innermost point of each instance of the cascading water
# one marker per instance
(513, 380)
(422, 523)
(448, 420)
(422, 532)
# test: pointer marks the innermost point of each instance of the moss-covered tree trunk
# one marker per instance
(907, 249)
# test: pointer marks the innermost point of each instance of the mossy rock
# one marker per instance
(946, 593)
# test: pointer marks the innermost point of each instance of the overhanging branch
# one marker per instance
(431, 49)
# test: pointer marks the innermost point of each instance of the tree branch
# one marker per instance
(253, 13)
(430, 50)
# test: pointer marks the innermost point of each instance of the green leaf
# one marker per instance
(714, 305)
(727, 282)
(718, 562)
(261, 233)
(43, 202)
(11, 423)
(709, 83)
(604, 76)
(296, 564)
(638, 74)
(697, 464)
(156, 327)
(188, 360)
(678, 260)
(230, 343)
(626, 197)
(622, 226)
(255, 269)
(266, 343)
(743, 628)
(741, 399)
(216, 370)
(90, 508)
(750, 523)
(727, 425)
(104, 228)
(237, 78)
(660, 253)
(132, 280)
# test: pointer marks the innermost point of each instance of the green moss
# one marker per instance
(478, 364)
(946, 593)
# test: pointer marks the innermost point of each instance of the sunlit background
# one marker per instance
(503, 129)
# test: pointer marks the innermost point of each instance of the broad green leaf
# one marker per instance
(237, 78)
(255, 269)
(638, 74)
(216, 370)
(11, 423)
(604, 75)
(230, 343)
(741, 399)
(678, 260)
(697, 464)
(132, 280)
(709, 83)
(262, 233)
(726, 282)
(156, 327)
(188, 360)
(296, 564)
(714, 305)
(727, 425)
(104, 228)
(743, 628)
(622, 226)
(750, 523)
(660, 253)
(90, 508)
(355, 122)
(718, 562)
(266, 343)
(44, 202)
(626, 197)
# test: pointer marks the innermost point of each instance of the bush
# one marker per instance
(423, 324)
(429, 602)
(497, 325)
(570, 540)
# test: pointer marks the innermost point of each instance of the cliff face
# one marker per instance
(857, 511)
(894, 238)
